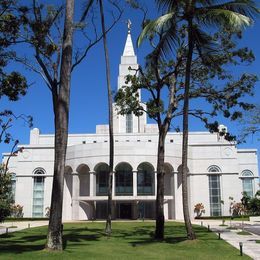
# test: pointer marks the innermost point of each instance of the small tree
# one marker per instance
(251, 124)
(254, 204)
(158, 77)
(231, 203)
(6, 196)
(199, 210)
(17, 211)
(13, 84)
(245, 206)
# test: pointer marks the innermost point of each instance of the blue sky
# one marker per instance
(88, 91)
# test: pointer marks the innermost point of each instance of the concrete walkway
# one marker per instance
(250, 247)
(16, 226)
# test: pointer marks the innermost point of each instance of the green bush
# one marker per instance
(6, 196)
(254, 204)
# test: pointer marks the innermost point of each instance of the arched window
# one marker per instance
(129, 123)
(214, 168)
(84, 179)
(247, 181)
(124, 179)
(145, 179)
(102, 174)
(214, 190)
(38, 193)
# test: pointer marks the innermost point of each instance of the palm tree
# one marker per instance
(111, 134)
(108, 228)
(197, 14)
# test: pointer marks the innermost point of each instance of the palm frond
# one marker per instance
(204, 3)
(165, 45)
(169, 5)
(221, 17)
(245, 7)
(156, 26)
(204, 40)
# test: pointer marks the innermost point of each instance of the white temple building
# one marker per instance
(217, 169)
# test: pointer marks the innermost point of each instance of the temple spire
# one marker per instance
(128, 59)
(129, 48)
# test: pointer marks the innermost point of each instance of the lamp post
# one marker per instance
(241, 248)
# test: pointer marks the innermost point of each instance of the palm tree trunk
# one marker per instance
(190, 233)
(61, 100)
(108, 229)
(159, 229)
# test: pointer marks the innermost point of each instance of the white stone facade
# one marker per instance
(216, 168)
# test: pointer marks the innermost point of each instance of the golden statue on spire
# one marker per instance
(129, 25)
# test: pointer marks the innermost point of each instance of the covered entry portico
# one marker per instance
(126, 209)
(133, 191)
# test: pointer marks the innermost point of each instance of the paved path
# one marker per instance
(254, 228)
(250, 247)
(20, 225)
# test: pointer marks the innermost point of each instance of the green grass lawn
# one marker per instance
(244, 233)
(130, 240)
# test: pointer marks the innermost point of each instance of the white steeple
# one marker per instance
(129, 49)
(128, 123)
(128, 59)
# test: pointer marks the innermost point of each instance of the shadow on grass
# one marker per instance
(12, 243)
(135, 235)
(173, 235)
(81, 235)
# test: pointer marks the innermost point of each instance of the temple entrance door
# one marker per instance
(124, 211)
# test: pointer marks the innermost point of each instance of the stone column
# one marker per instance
(134, 183)
(92, 184)
(172, 184)
(155, 183)
(75, 196)
(114, 185)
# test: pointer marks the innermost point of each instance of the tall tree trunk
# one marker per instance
(190, 233)
(159, 229)
(61, 97)
(108, 229)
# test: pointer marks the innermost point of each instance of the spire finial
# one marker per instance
(129, 25)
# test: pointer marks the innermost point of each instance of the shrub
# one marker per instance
(47, 212)
(199, 210)
(254, 204)
(6, 196)
(17, 211)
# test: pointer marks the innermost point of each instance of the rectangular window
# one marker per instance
(214, 195)
(124, 183)
(102, 183)
(38, 196)
(129, 123)
(248, 186)
(145, 183)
